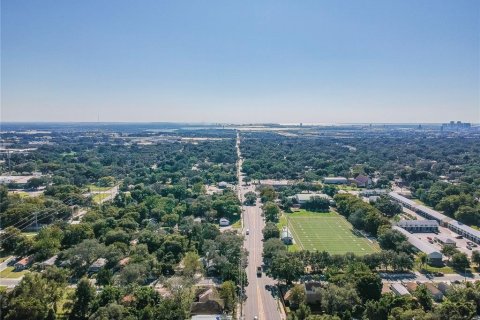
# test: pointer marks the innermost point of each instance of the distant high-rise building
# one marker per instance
(455, 126)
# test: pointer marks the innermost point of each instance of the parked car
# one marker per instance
(469, 247)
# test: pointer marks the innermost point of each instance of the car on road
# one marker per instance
(255, 318)
(259, 271)
(247, 232)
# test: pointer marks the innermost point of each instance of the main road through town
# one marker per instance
(261, 296)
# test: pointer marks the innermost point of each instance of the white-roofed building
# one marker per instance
(435, 257)
(304, 197)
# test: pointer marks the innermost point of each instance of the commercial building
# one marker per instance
(418, 225)
(302, 198)
(435, 257)
(452, 224)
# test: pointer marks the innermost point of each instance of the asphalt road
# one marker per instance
(261, 299)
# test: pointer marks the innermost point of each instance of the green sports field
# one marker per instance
(327, 232)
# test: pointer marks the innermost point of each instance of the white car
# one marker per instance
(247, 232)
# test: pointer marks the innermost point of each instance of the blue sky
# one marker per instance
(241, 61)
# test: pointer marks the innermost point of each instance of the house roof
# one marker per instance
(362, 179)
(100, 262)
(400, 289)
(50, 261)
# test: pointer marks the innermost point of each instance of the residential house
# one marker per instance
(362, 181)
(97, 265)
(23, 263)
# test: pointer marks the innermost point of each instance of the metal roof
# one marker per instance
(419, 244)
(308, 196)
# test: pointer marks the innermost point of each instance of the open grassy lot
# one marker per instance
(93, 187)
(327, 232)
(10, 273)
(99, 197)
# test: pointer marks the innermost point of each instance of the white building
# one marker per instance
(304, 197)
(435, 257)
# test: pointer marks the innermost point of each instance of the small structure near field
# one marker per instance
(286, 236)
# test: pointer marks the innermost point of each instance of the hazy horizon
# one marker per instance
(355, 62)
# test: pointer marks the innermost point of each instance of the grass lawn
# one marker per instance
(444, 269)
(326, 232)
(9, 273)
(30, 234)
(98, 197)
(237, 224)
(93, 187)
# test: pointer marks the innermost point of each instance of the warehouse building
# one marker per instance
(425, 226)
(435, 257)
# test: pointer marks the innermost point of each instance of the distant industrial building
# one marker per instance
(419, 225)
(452, 224)
(435, 257)
(335, 180)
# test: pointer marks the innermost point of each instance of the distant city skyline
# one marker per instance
(367, 61)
